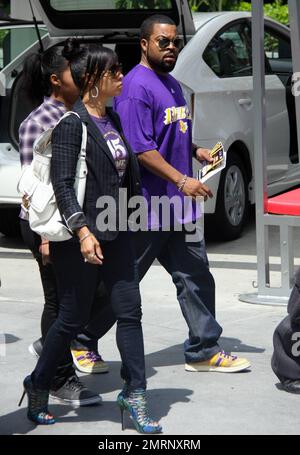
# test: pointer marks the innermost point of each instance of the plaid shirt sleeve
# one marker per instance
(28, 132)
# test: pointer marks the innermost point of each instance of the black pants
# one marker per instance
(77, 282)
(187, 264)
(101, 318)
(286, 356)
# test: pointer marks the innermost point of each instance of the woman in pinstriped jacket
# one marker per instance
(94, 253)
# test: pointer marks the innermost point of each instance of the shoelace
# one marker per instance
(93, 356)
(227, 356)
(138, 402)
(73, 383)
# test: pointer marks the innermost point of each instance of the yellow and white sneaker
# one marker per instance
(221, 363)
(89, 361)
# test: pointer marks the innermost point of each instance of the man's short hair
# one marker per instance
(147, 25)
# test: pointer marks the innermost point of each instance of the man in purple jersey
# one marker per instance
(157, 124)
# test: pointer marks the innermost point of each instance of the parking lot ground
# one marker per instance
(186, 403)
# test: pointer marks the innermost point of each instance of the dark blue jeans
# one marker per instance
(187, 264)
(77, 283)
(101, 320)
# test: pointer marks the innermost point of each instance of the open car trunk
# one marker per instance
(99, 17)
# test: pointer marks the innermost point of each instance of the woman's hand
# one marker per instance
(44, 251)
(90, 247)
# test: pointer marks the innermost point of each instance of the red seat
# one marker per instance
(285, 204)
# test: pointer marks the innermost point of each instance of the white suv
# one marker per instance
(113, 22)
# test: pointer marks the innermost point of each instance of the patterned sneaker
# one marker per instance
(221, 363)
(89, 362)
(75, 393)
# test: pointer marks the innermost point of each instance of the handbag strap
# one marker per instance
(84, 133)
(83, 141)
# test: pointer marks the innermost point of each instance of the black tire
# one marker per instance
(9, 222)
(230, 216)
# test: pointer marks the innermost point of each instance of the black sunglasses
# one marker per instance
(164, 43)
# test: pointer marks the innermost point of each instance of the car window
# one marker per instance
(277, 47)
(229, 52)
(279, 55)
(13, 41)
(75, 5)
(99, 15)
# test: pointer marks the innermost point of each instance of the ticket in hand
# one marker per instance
(219, 162)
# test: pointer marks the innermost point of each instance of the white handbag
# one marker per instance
(37, 191)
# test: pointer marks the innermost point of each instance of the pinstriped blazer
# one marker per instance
(102, 178)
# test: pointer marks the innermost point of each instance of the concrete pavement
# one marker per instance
(186, 403)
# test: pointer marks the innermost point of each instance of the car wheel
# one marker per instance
(9, 222)
(232, 205)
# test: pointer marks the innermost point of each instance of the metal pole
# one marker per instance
(265, 294)
(294, 18)
(260, 146)
(260, 151)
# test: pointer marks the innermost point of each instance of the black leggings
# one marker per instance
(101, 319)
(77, 282)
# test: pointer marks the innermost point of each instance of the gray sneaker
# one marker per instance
(36, 348)
(75, 393)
